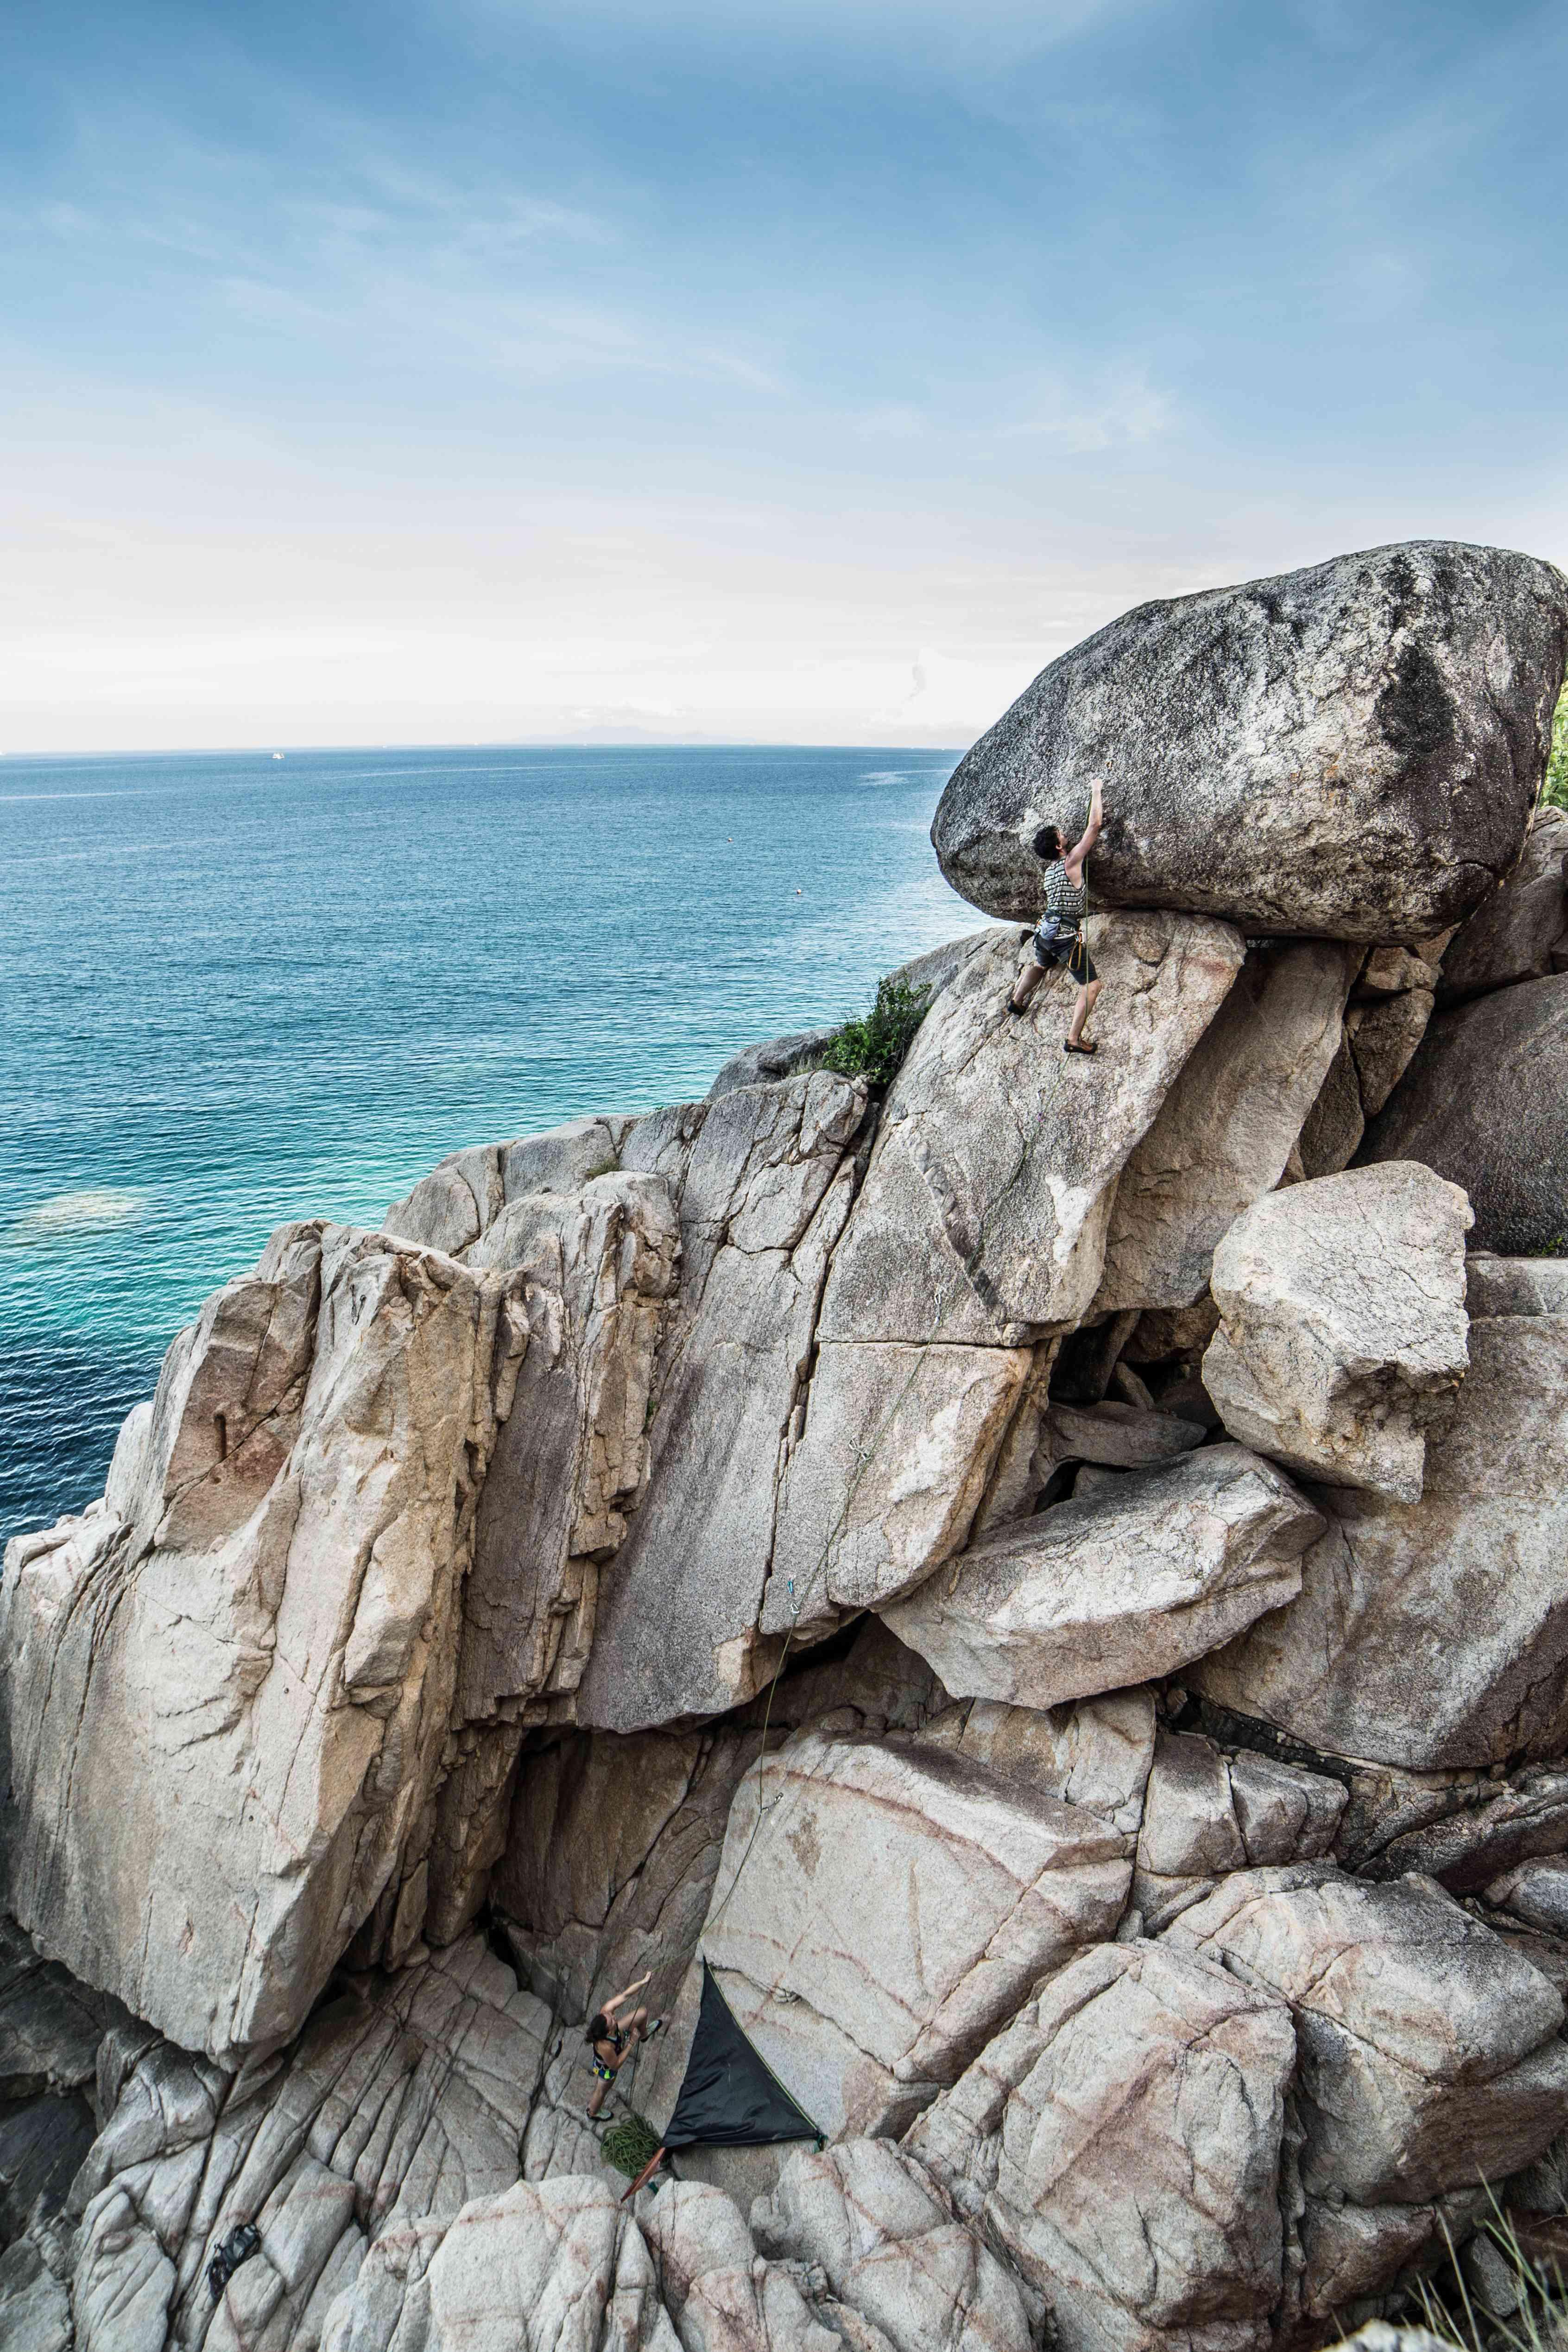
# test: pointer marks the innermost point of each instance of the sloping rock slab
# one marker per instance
(1341, 1320)
(888, 2242)
(1353, 749)
(228, 1711)
(1430, 2056)
(1224, 1131)
(880, 1911)
(1121, 2142)
(1485, 1103)
(1433, 1634)
(1117, 1587)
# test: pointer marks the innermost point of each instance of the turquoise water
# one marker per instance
(239, 989)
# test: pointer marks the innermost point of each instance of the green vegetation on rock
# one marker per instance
(874, 1048)
(1554, 790)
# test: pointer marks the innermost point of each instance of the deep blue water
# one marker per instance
(239, 989)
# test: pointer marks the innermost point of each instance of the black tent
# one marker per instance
(728, 2098)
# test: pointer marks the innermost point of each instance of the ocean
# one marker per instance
(240, 989)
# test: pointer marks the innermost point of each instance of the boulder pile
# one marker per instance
(1050, 1581)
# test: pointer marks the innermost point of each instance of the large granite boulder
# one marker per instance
(1224, 1133)
(1485, 1103)
(227, 1711)
(1520, 931)
(1430, 2052)
(1434, 1635)
(880, 1910)
(872, 2220)
(721, 2295)
(1353, 749)
(1115, 1587)
(1120, 2142)
(1342, 1322)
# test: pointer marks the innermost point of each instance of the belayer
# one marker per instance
(1059, 939)
(612, 2045)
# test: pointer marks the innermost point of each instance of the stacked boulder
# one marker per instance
(1051, 1582)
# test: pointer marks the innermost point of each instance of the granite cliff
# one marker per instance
(1052, 1579)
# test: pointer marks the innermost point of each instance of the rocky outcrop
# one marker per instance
(1342, 1322)
(255, 1667)
(1351, 750)
(880, 1910)
(1482, 1103)
(1434, 1634)
(804, 1534)
(1121, 2142)
(1132, 1579)
(1520, 931)
(1224, 1133)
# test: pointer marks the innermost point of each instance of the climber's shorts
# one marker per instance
(605, 2074)
(1070, 950)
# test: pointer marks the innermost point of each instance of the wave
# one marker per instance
(92, 1212)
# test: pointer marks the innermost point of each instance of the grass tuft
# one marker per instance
(874, 1048)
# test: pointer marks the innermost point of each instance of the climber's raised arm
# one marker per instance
(610, 2007)
(1091, 835)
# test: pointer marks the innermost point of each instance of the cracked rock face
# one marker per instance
(1433, 1634)
(1520, 931)
(1133, 1579)
(225, 1709)
(1343, 1320)
(1121, 2140)
(1351, 750)
(1482, 1103)
(879, 1913)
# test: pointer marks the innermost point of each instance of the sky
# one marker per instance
(711, 371)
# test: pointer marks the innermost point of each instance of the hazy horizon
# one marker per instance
(497, 373)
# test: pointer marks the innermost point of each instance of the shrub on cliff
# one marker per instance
(1554, 790)
(874, 1048)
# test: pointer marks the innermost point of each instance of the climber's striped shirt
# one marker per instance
(1066, 899)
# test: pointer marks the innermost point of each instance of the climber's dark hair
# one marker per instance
(598, 2029)
(1047, 842)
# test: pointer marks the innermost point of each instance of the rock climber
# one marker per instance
(1060, 938)
(612, 2045)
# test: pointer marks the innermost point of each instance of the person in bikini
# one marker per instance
(1059, 939)
(611, 2045)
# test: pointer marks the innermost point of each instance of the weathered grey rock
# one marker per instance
(1430, 2051)
(1520, 930)
(1389, 971)
(1206, 1813)
(1096, 1754)
(1341, 1322)
(35, 2308)
(880, 1911)
(1351, 750)
(556, 2266)
(984, 1210)
(1514, 1285)
(1121, 1586)
(460, 1200)
(1121, 2142)
(1333, 1128)
(776, 1058)
(722, 2296)
(1116, 1436)
(50, 2026)
(404, 2098)
(611, 1854)
(1383, 1038)
(764, 1198)
(1535, 1891)
(890, 2247)
(1224, 1132)
(245, 1689)
(1433, 1634)
(1485, 1103)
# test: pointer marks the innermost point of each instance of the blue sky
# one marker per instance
(804, 373)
